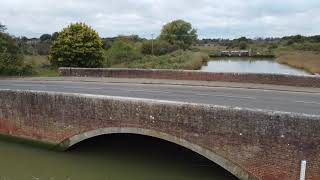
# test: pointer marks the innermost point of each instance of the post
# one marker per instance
(152, 44)
(303, 170)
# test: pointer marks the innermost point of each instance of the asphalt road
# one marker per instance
(284, 100)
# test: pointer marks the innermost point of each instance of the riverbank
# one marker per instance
(307, 60)
(187, 60)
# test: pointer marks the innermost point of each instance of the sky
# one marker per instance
(212, 18)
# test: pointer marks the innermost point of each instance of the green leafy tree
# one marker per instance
(11, 62)
(243, 39)
(9, 49)
(180, 33)
(78, 45)
(45, 37)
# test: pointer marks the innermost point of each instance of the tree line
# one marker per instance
(79, 45)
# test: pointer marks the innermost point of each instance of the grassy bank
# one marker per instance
(41, 66)
(307, 60)
(176, 60)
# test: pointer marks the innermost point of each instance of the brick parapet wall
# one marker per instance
(275, 79)
(268, 145)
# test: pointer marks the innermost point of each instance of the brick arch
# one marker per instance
(231, 167)
(267, 144)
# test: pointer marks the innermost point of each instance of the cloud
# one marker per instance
(212, 18)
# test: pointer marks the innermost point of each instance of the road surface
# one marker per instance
(288, 99)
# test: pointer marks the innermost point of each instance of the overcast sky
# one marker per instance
(212, 18)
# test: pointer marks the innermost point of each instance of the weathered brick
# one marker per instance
(276, 79)
(249, 143)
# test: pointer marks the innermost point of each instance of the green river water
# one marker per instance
(112, 157)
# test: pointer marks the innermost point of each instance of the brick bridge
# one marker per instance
(251, 144)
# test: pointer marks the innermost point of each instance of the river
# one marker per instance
(250, 65)
(112, 157)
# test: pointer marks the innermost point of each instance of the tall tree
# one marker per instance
(179, 32)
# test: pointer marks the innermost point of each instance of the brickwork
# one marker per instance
(276, 79)
(263, 145)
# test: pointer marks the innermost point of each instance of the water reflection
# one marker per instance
(112, 157)
(250, 65)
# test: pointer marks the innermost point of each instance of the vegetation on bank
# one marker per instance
(177, 47)
(78, 45)
(171, 50)
(176, 60)
(11, 60)
(300, 52)
(307, 60)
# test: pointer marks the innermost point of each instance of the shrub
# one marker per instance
(11, 62)
(243, 45)
(307, 46)
(176, 60)
(273, 46)
(159, 47)
(289, 42)
(315, 38)
(121, 52)
(78, 45)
